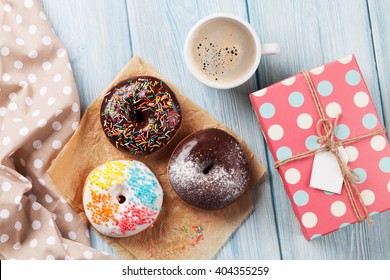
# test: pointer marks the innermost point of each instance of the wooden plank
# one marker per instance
(96, 36)
(158, 30)
(310, 34)
(98, 44)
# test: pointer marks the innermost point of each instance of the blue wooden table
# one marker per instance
(102, 35)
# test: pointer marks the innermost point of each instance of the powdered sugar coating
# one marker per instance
(209, 169)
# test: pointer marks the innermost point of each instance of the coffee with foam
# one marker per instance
(223, 51)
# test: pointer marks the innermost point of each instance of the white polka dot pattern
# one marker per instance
(288, 117)
(34, 131)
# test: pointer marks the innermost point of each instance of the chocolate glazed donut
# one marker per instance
(209, 169)
(140, 115)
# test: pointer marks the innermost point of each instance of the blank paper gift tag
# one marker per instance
(326, 174)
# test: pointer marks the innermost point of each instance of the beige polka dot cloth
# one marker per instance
(39, 110)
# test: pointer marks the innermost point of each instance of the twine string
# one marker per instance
(326, 132)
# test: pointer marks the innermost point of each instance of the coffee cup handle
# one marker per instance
(270, 49)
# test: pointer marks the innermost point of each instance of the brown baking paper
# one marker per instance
(180, 232)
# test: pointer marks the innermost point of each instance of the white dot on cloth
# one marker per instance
(361, 99)
(87, 234)
(51, 101)
(275, 132)
(72, 235)
(46, 65)
(333, 109)
(67, 90)
(50, 257)
(28, 3)
(48, 198)
(51, 240)
(19, 19)
(42, 123)
(4, 238)
(338, 208)
(6, 140)
(62, 199)
(75, 107)
(17, 120)
(304, 121)
(34, 243)
(4, 51)
(12, 96)
(18, 64)
(51, 222)
(23, 163)
(16, 246)
(43, 91)
(3, 111)
(23, 84)
(7, 28)
(32, 29)
(28, 101)
(54, 216)
(18, 199)
(88, 255)
(32, 54)
(57, 78)
(36, 206)
(6, 77)
(12, 106)
(42, 16)
(68, 217)
(309, 220)
(19, 42)
(6, 186)
(368, 197)
(36, 113)
(42, 182)
(31, 196)
(61, 52)
(378, 143)
(352, 153)
(46, 40)
(56, 126)
(18, 226)
(38, 163)
(23, 131)
(32, 78)
(75, 125)
(7, 8)
(57, 144)
(69, 66)
(36, 225)
(59, 112)
(292, 176)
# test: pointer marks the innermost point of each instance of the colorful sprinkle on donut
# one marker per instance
(122, 198)
(140, 115)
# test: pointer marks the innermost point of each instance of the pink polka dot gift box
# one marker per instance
(328, 144)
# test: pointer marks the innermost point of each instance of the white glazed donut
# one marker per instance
(122, 198)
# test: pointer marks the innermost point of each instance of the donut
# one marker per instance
(209, 169)
(140, 115)
(122, 198)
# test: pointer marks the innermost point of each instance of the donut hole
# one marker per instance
(138, 116)
(121, 199)
(208, 168)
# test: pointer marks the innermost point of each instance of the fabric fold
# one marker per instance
(39, 111)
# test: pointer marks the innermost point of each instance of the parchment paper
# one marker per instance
(181, 232)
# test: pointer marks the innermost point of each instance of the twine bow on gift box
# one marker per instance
(328, 143)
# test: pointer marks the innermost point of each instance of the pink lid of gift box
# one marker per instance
(288, 116)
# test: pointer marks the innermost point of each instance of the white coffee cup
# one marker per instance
(223, 51)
